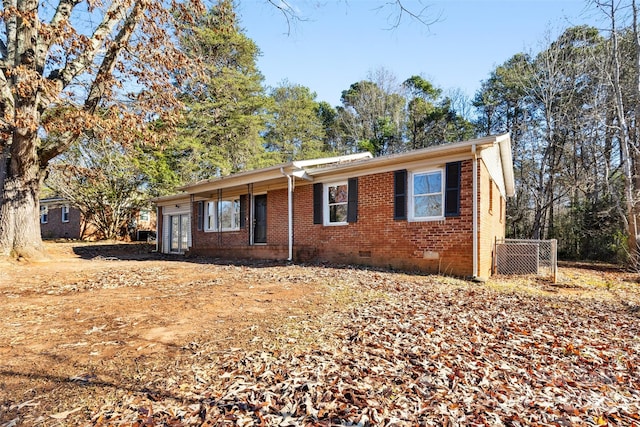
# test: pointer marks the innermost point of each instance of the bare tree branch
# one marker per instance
(112, 16)
(61, 15)
(288, 11)
(401, 10)
(109, 61)
(60, 144)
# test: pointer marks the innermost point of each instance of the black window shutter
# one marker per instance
(317, 203)
(352, 205)
(400, 194)
(243, 211)
(200, 219)
(452, 189)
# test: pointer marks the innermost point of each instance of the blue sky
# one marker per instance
(343, 41)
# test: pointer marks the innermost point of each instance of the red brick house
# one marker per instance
(437, 209)
(60, 220)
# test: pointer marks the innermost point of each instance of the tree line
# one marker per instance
(572, 112)
(73, 121)
(570, 109)
(231, 123)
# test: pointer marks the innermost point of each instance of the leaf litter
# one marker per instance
(385, 349)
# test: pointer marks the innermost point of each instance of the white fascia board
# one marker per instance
(236, 179)
(411, 160)
(171, 200)
(356, 164)
(301, 173)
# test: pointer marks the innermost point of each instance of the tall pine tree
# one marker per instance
(226, 107)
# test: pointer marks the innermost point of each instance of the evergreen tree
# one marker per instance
(296, 131)
(226, 106)
(431, 119)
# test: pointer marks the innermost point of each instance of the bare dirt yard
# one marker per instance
(107, 335)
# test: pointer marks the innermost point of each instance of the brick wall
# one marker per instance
(491, 220)
(442, 246)
(56, 229)
(376, 239)
(228, 244)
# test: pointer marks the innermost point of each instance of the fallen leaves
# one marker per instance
(426, 353)
(65, 414)
(389, 349)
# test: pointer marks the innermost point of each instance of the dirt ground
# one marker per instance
(97, 310)
(105, 333)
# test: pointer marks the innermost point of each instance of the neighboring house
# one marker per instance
(60, 220)
(438, 209)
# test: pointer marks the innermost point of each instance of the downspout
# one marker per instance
(290, 184)
(475, 212)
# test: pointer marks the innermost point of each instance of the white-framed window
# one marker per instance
(44, 214)
(223, 215)
(65, 213)
(427, 195)
(145, 215)
(336, 201)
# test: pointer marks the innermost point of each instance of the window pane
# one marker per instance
(338, 213)
(175, 233)
(226, 215)
(434, 181)
(211, 216)
(184, 231)
(338, 194)
(425, 206)
(419, 184)
(236, 214)
(229, 212)
(427, 183)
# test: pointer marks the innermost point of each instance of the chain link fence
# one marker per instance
(524, 256)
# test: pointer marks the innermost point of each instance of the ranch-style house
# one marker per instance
(439, 209)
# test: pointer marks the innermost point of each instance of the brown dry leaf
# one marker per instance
(384, 349)
(65, 414)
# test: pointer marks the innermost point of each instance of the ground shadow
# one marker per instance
(143, 251)
(147, 252)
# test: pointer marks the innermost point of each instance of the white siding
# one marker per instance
(493, 162)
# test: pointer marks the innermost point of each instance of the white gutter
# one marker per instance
(290, 184)
(475, 211)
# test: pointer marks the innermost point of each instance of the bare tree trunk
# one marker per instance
(20, 208)
(636, 135)
(625, 142)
